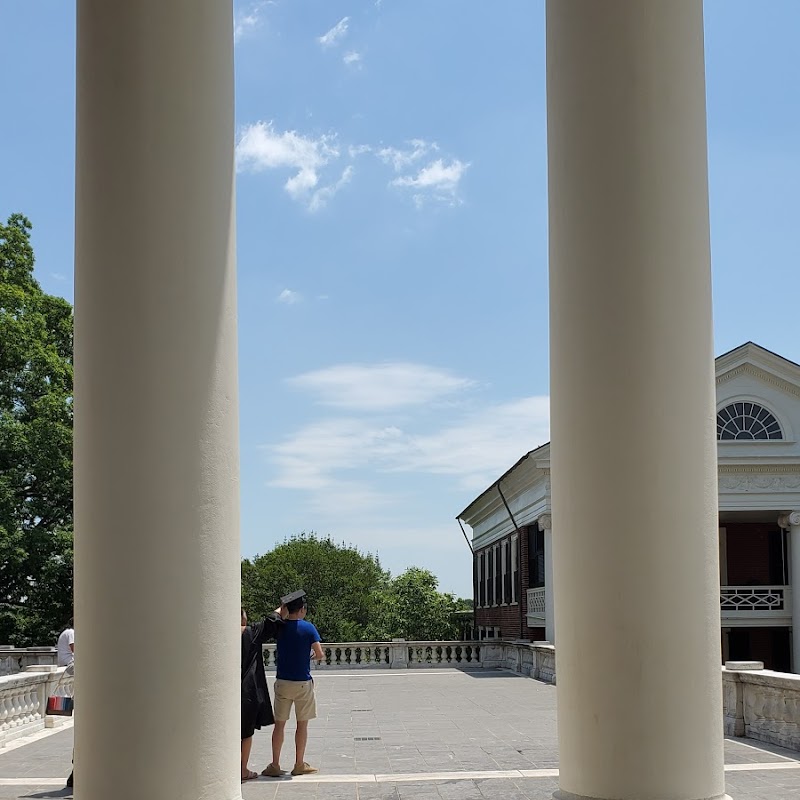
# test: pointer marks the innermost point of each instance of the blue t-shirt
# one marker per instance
(294, 650)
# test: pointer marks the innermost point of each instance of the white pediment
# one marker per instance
(752, 375)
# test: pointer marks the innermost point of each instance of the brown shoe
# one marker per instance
(304, 769)
(273, 772)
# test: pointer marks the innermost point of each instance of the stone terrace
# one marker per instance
(443, 734)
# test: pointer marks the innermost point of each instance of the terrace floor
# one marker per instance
(442, 734)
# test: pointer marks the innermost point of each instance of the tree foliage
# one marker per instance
(35, 447)
(342, 583)
(351, 597)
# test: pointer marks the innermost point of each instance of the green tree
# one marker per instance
(412, 607)
(35, 447)
(343, 584)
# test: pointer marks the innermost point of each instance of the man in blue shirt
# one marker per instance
(293, 684)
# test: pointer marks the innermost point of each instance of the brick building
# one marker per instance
(758, 424)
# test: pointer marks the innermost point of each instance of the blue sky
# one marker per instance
(392, 241)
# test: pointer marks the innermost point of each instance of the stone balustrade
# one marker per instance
(398, 654)
(18, 659)
(23, 700)
(761, 704)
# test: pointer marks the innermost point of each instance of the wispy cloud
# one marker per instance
(248, 18)
(352, 58)
(401, 158)
(261, 147)
(335, 34)
(322, 195)
(356, 150)
(289, 297)
(472, 450)
(374, 387)
(437, 180)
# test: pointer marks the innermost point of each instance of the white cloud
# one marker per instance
(481, 446)
(321, 197)
(473, 450)
(373, 387)
(402, 158)
(352, 58)
(261, 147)
(335, 34)
(248, 19)
(289, 297)
(356, 150)
(437, 180)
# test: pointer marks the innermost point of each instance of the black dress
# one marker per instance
(256, 705)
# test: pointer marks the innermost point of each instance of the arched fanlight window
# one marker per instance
(747, 421)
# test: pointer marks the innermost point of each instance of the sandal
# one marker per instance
(250, 775)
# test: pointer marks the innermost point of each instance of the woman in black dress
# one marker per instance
(256, 705)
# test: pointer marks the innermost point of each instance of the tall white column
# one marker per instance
(791, 522)
(546, 526)
(156, 427)
(633, 437)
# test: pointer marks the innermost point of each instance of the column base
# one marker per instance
(562, 795)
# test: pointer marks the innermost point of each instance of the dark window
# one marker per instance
(515, 598)
(497, 597)
(507, 579)
(535, 557)
(740, 421)
(490, 582)
(481, 577)
(778, 566)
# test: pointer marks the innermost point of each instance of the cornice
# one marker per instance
(762, 375)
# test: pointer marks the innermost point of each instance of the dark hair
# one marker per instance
(296, 605)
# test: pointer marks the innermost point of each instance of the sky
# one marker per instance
(392, 242)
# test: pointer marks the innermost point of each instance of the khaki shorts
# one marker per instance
(297, 693)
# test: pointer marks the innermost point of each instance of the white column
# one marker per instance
(546, 526)
(632, 413)
(791, 522)
(156, 439)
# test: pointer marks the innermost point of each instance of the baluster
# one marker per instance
(15, 709)
(359, 651)
(328, 653)
(347, 652)
(439, 658)
(338, 659)
(468, 654)
(29, 706)
(38, 712)
(3, 713)
(449, 654)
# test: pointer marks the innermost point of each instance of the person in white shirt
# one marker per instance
(66, 646)
(66, 658)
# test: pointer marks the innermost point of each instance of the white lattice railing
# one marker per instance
(23, 700)
(391, 655)
(536, 603)
(755, 601)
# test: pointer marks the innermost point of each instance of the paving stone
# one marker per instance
(432, 722)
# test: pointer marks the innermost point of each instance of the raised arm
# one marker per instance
(272, 624)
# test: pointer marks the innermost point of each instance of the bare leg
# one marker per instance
(277, 742)
(247, 746)
(300, 741)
